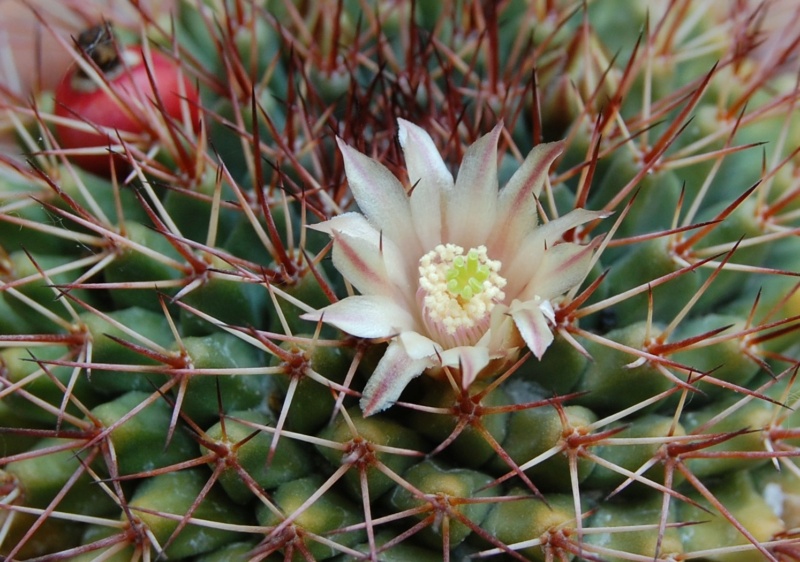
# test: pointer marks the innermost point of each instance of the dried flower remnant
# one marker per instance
(456, 274)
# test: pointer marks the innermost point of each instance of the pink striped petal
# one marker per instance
(528, 254)
(393, 373)
(470, 360)
(429, 178)
(532, 325)
(379, 195)
(502, 335)
(418, 346)
(516, 206)
(362, 264)
(352, 223)
(371, 263)
(563, 267)
(368, 316)
(550, 233)
(470, 207)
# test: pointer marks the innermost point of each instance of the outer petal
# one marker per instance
(362, 265)
(502, 335)
(366, 316)
(532, 324)
(550, 233)
(516, 206)
(470, 208)
(356, 226)
(374, 266)
(351, 223)
(469, 359)
(393, 373)
(429, 178)
(563, 267)
(379, 195)
(529, 254)
(418, 346)
(372, 263)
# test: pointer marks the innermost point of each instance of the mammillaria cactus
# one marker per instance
(297, 319)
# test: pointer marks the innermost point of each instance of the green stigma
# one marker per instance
(466, 276)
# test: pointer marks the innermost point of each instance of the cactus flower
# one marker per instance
(455, 274)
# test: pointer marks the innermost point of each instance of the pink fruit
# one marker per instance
(133, 87)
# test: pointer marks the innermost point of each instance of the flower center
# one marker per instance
(458, 292)
(466, 276)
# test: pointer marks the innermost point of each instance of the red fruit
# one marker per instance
(126, 101)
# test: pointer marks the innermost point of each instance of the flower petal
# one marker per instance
(429, 178)
(470, 208)
(529, 254)
(532, 325)
(516, 205)
(551, 232)
(502, 336)
(362, 264)
(373, 264)
(379, 195)
(418, 346)
(563, 267)
(369, 316)
(352, 223)
(469, 359)
(393, 373)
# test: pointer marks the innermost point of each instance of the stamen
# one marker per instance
(458, 292)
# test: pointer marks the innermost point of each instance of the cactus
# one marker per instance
(211, 349)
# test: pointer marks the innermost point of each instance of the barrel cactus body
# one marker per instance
(395, 280)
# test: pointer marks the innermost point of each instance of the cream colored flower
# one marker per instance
(455, 274)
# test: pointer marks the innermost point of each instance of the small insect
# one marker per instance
(99, 45)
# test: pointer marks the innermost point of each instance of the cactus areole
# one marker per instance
(110, 99)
